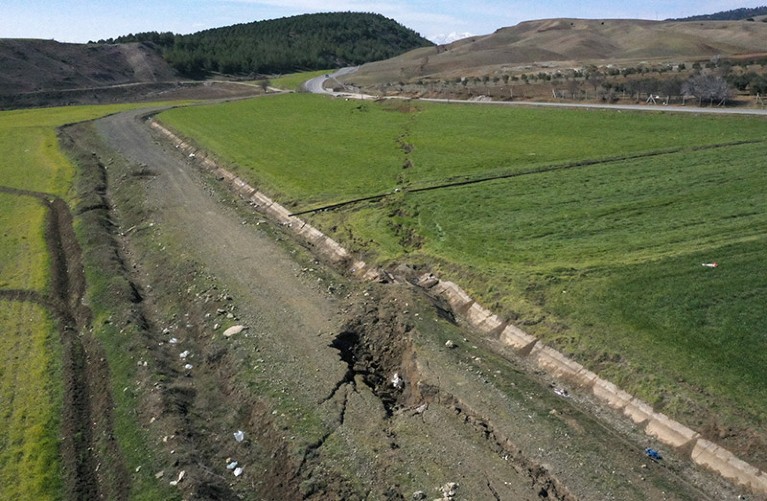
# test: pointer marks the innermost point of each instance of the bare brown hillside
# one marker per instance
(47, 65)
(571, 42)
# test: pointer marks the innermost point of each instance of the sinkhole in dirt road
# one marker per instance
(362, 359)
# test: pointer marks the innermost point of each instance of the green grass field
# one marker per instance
(23, 256)
(30, 352)
(30, 397)
(294, 81)
(594, 241)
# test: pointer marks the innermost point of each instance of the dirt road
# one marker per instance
(343, 390)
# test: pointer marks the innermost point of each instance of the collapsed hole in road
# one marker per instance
(362, 360)
(376, 346)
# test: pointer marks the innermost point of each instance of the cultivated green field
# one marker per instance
(594, 239)
(30, 352)
(30, 398)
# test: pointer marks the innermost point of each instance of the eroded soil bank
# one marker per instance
(342, 390)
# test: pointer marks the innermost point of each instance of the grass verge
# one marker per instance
(30, 399)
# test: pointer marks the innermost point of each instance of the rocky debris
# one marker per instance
(234, 330)
(448, 491)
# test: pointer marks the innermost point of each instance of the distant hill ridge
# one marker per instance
(304, 42)
(728, 15)
(570, 43)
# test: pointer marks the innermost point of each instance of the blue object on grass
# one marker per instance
(653, 454)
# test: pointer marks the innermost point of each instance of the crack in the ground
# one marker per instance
(374, 346)
(547, 485)
(492, 490)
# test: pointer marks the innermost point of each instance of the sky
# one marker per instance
(85, 20)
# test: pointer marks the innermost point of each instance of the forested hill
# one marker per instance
(729, 15)
(305, 42)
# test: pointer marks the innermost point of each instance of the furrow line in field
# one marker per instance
(539, 170)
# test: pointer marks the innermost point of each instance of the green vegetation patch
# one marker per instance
(30, 402)
(606, 261)
(295, 81)
(311, 150)
(587, 228)
(30, 352)
(23, 255)
(306, 148)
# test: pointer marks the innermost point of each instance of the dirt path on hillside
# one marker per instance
(343, 390)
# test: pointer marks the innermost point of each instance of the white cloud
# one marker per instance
(451, 37)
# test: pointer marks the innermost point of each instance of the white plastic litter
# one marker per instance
(173, 340)
(179, 479)
(239, 435)
(232, 465)
(397, 382)
(188, 367)
(184, 354)
(711, 265)
(237, 471)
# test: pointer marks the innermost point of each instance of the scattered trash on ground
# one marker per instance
(232, 465)
(181, 475)
(450, 344)
(173, 340)
(711, 265)
(561, 392)
(238, 471)
(188, 367)
(653, 454)
(397, 382)
(184, 354)
(239, 435)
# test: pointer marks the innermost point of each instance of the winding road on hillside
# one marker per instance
(317, 86)
(464, 415)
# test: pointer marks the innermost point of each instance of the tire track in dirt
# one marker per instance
(85, 374)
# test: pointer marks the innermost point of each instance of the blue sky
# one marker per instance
(83, 20)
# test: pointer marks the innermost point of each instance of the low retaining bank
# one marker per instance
(669, 432)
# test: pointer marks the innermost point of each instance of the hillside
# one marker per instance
(304, 42)
(47, 65)
(728, 15)
(568, 42)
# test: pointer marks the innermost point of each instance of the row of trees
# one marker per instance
(306, 42)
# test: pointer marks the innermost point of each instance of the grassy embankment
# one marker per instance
(31, 386)
(294, 81)
(593, 242)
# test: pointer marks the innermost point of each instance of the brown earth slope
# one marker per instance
(46, 65)
(573, 41)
